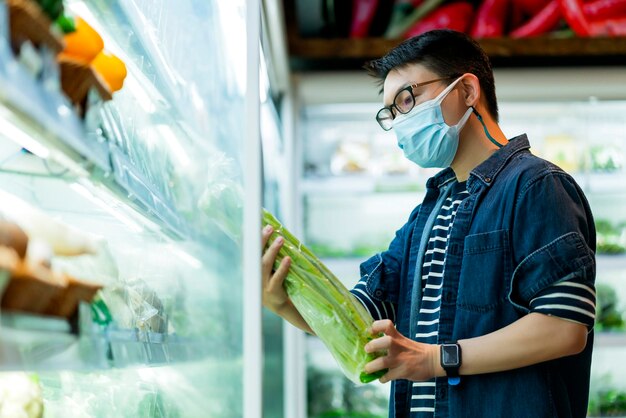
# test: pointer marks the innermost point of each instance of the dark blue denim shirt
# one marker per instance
(525, 226)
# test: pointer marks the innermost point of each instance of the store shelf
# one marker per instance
(369, 48)
(360, 184)
(29, 342)
(347, 53)
(46, 114)
(37, 128)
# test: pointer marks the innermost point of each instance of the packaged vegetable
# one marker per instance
(332, 312)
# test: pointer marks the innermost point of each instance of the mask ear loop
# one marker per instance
(491, 138)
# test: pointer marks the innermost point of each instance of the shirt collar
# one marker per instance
(486, 171)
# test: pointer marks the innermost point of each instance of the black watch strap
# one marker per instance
(450, 359)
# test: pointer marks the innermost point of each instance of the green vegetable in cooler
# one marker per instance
(609, 237)
(332, 312)
(608, 316)
(52, 8)
(66, 23)
(607, 403)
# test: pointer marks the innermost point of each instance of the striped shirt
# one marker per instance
(427, 330)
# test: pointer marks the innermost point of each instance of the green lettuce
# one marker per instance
(333, 313)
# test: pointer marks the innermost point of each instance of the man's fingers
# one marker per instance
(392, 374)
(265, 235)
(375, 365)
(277, 279)
(385, 326)
(379, 344)
(270, 256)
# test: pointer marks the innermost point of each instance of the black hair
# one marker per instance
(445, 52)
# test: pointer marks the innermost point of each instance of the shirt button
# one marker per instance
(379, 293)
(488, 179)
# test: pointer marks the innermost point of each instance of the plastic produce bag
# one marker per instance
(332, 312)
(222, 198)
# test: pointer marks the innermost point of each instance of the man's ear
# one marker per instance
(470, 89)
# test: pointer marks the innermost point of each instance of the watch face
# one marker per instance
(450, 355)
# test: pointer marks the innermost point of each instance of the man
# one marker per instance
(486, 295)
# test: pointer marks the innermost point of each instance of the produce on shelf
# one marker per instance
(332, 312)
(604, 9)
(490, 19)
(12, 236)
(607, 403)
(63, 239)
(456, 16)
(544, 21)
(84, 54)
(608, 314)
(29, 24)
(606, 158)
(495, 18)
(363, 12)
(401, 9)
(30, 285)
(20, 396)
(611, 238)
(84, 44)
(399, 27)
(222, 198)
(111, 68)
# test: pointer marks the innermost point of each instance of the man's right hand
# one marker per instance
(274, 296)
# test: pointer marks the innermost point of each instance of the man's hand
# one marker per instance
(405, 359)
(274, 296)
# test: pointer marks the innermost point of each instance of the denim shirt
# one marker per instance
(525, 226)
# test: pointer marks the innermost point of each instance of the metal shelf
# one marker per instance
(29, 342)
(28, 111)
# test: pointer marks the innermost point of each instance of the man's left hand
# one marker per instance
(405, 359)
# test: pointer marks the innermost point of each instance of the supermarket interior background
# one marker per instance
(139, 140)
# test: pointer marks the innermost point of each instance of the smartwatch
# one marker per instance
(450, 361)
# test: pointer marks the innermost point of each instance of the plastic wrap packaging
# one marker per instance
(63, 239)
(222, 198)
(332, 312)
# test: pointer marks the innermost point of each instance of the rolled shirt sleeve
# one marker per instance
(553, 240)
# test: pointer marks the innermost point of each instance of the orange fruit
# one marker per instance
(83, 44)
(111, 69)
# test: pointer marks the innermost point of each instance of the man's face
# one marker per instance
(453, 106)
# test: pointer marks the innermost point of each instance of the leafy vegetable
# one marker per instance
(332, 312)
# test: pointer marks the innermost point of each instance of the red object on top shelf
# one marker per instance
(457, 16)
(363, 12)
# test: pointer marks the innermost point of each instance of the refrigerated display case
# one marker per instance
(153, 181)
(356, 190)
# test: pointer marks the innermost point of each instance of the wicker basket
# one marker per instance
(66, 303)
(31, 289)
(28, 22)
(77, 78)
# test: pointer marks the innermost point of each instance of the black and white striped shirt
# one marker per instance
(423, 393)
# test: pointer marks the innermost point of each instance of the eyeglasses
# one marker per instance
(404, 102)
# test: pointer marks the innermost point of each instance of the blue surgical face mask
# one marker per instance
(425, 137)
